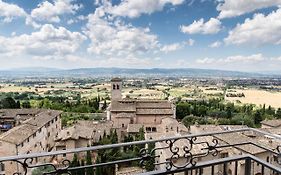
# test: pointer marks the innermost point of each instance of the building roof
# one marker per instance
(154, 111)
(116, 79)
(117, 106)
(84, 129)
(236, 138)
(272, 123)
(159, 104)
(18, 113)
(169, 122)
(20, 133)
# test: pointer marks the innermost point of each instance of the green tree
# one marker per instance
(182, 110)
(26, 104)
(9, 103)
(257, 117)
(98, 169)
(89, 171)
(149, 165)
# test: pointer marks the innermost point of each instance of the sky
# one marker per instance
(239, 35)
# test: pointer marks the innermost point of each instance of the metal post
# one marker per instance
(248, 166)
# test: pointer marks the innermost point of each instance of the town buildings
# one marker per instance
(34, 133)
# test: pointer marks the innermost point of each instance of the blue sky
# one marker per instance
(213, 34)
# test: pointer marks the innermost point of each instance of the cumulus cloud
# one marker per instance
(232, 8)
(47, 42)
(215, 44)
(133, 8)
(259, 30)
(10, 11)
(47, 11)
(200, 27)
(117, 38)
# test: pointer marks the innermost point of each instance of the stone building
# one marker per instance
(35, 134)
(126, 111)
(82, 134)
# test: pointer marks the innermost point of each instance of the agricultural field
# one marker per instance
(258, 97)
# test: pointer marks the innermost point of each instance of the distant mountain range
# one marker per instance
(128, 72)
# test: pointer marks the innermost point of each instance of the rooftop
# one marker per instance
(20, 133)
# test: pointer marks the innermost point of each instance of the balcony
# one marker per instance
(194, 154)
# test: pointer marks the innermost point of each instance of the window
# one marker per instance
(63, 155)
(123, 125)
(114, 86)
(34, 135)
(2, 167)
(267, 159)
(39, 130)
(27, 140)
(117, 86)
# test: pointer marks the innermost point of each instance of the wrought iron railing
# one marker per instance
(190, 154)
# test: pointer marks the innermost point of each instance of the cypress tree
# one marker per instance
(89, 171)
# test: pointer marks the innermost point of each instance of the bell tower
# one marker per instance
(116, 89)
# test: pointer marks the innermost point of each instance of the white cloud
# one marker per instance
(205, 60)
(259, 30)
(47, 42)
(10, 11)
(232, 8)
(210, 27)
(241, 58)
(134, 8)
(215, 44)
(47, 11)
(233, 59)
(116, 38)
(171, 47)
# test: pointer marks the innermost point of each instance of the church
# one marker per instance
(125, 111)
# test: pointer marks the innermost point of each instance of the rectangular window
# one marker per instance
(63, 155)
(2, 167)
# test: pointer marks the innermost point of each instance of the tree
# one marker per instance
(257, 117)
(182, 110)
(82, 170)
(9, 103)
(75, 163)
(98, 169)
(26, 104)
(149, 165)
(89, 171)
